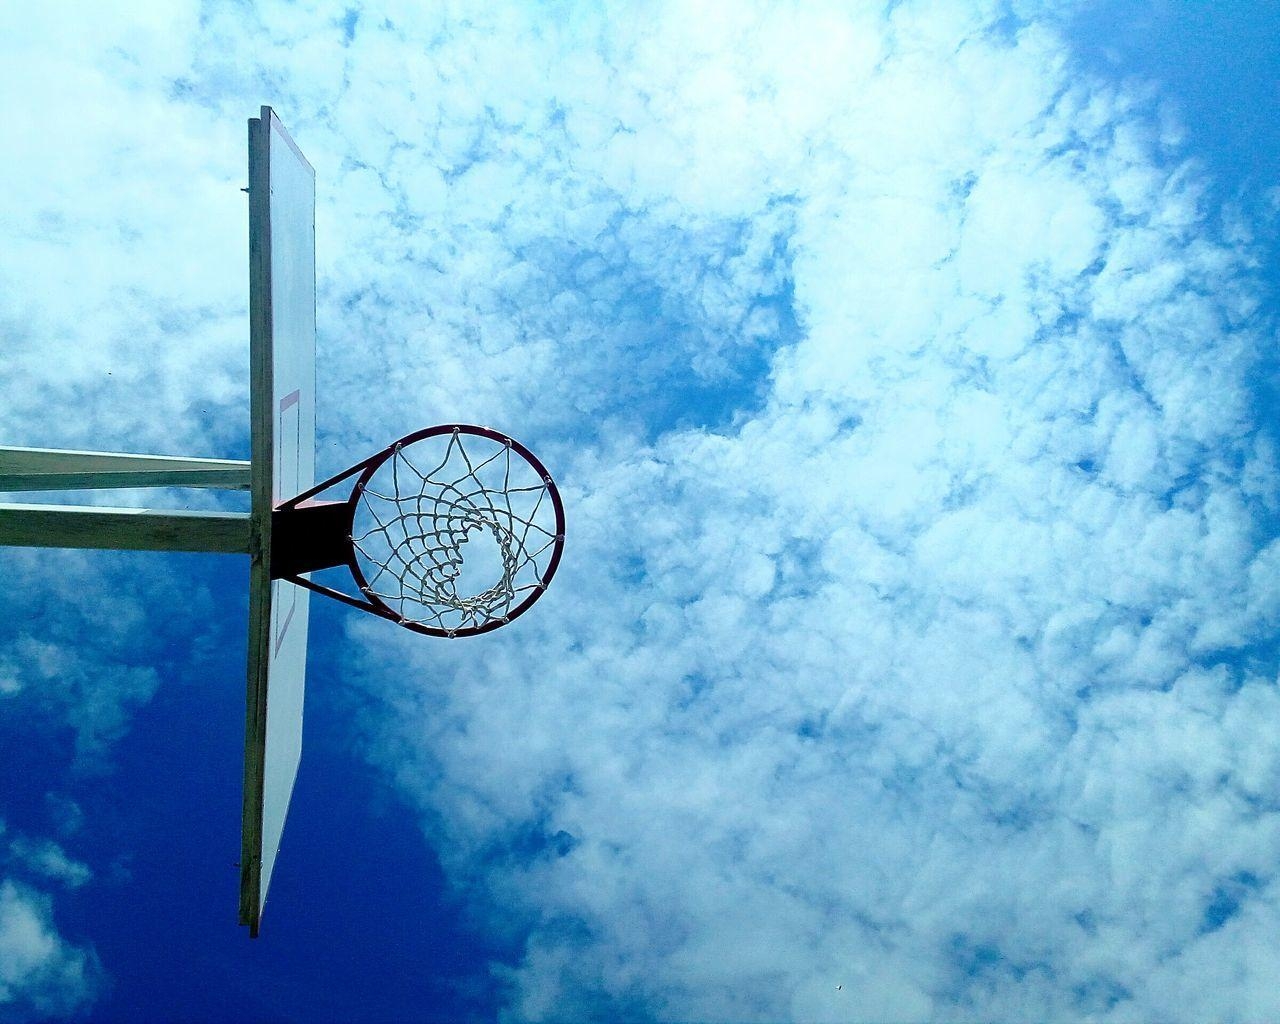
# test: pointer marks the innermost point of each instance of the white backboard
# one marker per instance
(282, 330)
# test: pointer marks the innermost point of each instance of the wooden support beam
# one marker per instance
(45, 469)
(132, 529)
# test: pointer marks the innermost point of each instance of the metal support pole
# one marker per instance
(134, 529)
(45, 469)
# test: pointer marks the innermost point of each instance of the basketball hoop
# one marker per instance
(452, 531)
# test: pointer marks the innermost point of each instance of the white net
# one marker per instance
(456, 532)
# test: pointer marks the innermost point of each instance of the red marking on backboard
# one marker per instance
(286, 403)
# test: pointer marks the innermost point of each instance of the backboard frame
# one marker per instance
(282, 412)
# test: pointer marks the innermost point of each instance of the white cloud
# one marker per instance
(904, 661)
(905, 682)
(126, 233)
(41, 975)
(82, 654)
(46, 858)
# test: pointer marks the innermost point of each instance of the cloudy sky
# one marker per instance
(909, 373)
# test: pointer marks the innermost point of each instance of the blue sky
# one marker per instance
(908, 371)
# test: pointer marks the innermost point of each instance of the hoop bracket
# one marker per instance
(309, 535)
(419, 523)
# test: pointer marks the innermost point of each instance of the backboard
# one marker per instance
(282, 329)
